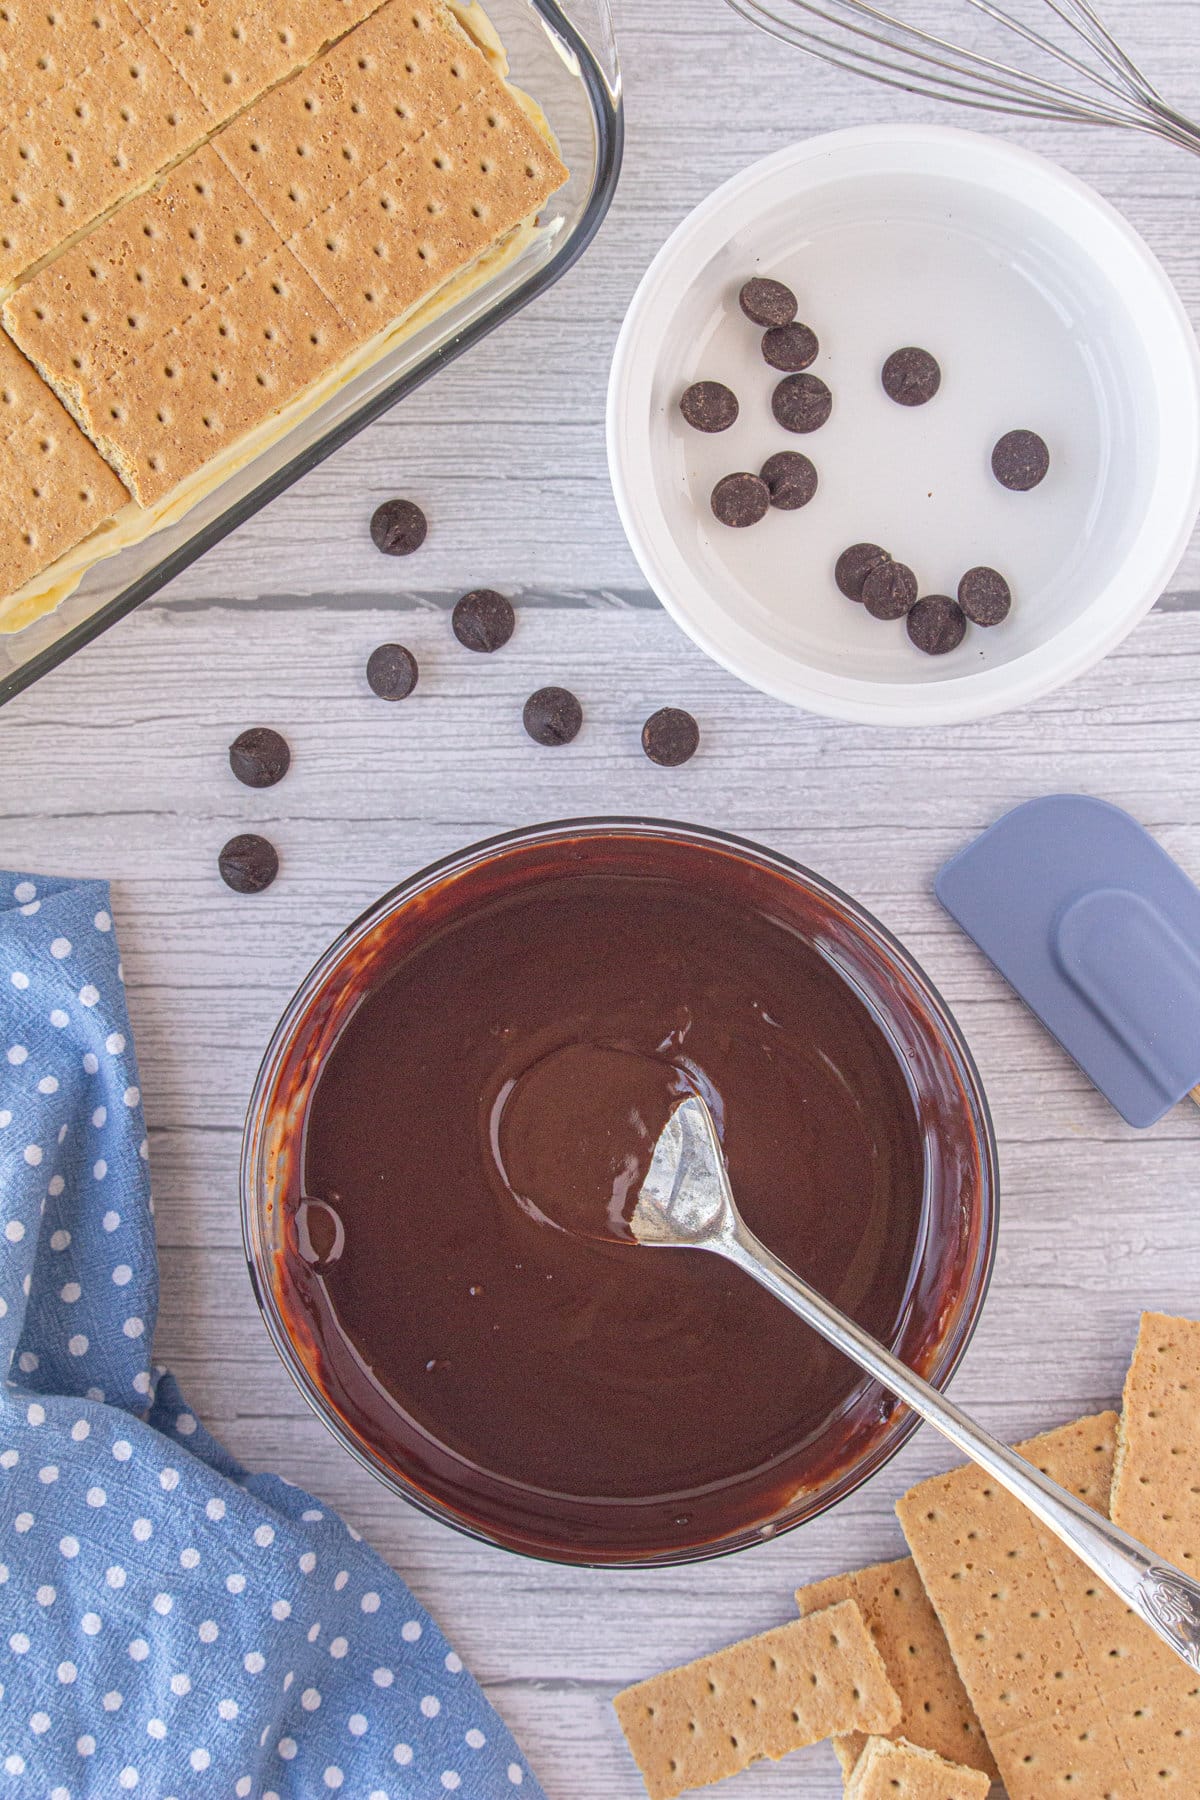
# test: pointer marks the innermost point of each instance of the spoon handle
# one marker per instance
(1161, 1595)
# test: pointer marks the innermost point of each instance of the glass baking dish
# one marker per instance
(565, 57)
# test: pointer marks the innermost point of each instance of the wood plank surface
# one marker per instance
(115, 765)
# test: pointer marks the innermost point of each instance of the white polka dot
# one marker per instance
(227, 1709)
(54, 1188)
(46, 1595)
(139, 1649)
(199, 1760)
(59, 1019)
(14, 1231)
(60, 947)
(141, 1382)
(357, 1724)
(181, 1684)
(333, 1775)
(122, 1274)
(162, 1604)
(59, 1239)
(128, 1778)
(475, 1738)
(24, 892)
(451, 1779)
(48, 1084)
(88, 995)
(77, 1344)
(91, 1062)
(3, 1579)
(310, 1699)
(235, 1583)
(454, 1662)
(32, 907)
(144, 1153)
(86, 1745)
(95, 1496)
(70, 1292)
(18, 1643)
(142, 1530)
(516, 1774)
(254, 1662)
(308, 1563)
(286, 1748)
(114, 1043)
(100, 1116)
(314, 1632)
(66, 1673)
(185, 1424)
(96, 1393)
(14, 1764)
(39, 1722)
(338, 1648)
(111, 1220)
(243, 1787)
(23, 1522)
(311, 1515)
(215, 1509)
(5, 1118)
(133, 1328)
(90, 1623)
(383, 1678)
(102, 921)
(431, 1706)
(264, 1536)
(190, 1557)
(115, 1576)
(340, 1580)
(69, 1546)
(99, 1169)
(19, 979)
(410, 1631)
(122, 1450)
(33, 1155)
(168, 1479)
(131, 1096)
(370, 1602)
(403, 1754)
(155, 1728)
(17, 1055)
(27, 1362)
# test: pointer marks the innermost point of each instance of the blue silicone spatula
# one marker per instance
(1098, 930)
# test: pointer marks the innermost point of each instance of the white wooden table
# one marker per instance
(115, 765)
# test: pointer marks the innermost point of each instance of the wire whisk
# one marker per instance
(1091, 80)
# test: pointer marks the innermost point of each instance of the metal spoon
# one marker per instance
(686, 1202)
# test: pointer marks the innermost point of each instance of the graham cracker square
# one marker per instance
(230, 51)
(935, 1711)
(896, 1770)
(757, 1699)
(55, 488)
(1156, 1484)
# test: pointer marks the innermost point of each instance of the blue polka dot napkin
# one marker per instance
(170, 1626)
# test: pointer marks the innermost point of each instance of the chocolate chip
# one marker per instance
(398, 527)
(392, 672)
(670, 736)
(1020, 460)
(552, 716)
(801, 402)
(984, 596)
(248, 863)
(854, 565)
(709, 406)
(911, 376)
(937, 624)
(789, 346)
(889, 589)
(740, 499)
(767, 302)
(791, 479)
(259, 757)
(483, 620)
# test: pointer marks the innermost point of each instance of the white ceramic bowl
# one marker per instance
(1045, 310)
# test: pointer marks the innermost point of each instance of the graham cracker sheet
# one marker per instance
(1156, 1485)
(891, 1769)
(934, 1708)
(93, 110)
(763, 1697)
(1077, 1697)
(55, 488)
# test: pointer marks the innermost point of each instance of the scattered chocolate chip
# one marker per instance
(936, 624)
(984, 596)
(483, 620)
(791, 479)
(740, 499)
(552, 716)
(767, 302)
(709, 406)
(889, 589)
(855, 564)
(789, 346)
(248, 863)
(1020, 460)
(392, 672)
(398, 527)
(259, 757)
(911, 376)
(670, 736)
(801, 402)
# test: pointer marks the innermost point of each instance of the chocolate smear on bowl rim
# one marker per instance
(392, 671)
(790, 347)
(398, 527)
(740, 499)
(911, 376)
(1020, 460)
(552, 716)
(709, 406)
(791, 479)
(670, 737)
(483, 620)
(767, 302)
(984, 596)
(801, 403)
(855, 564)
(936, 624)
(248, 863)
(889, 590)
(260, 757)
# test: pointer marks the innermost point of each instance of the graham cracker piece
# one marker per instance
(1156, 1485)
(1078, 1698)
(891, 1769)
(935, 1711)
(93, 109)
(54, 486)
(230, 51)
(759, 1698)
